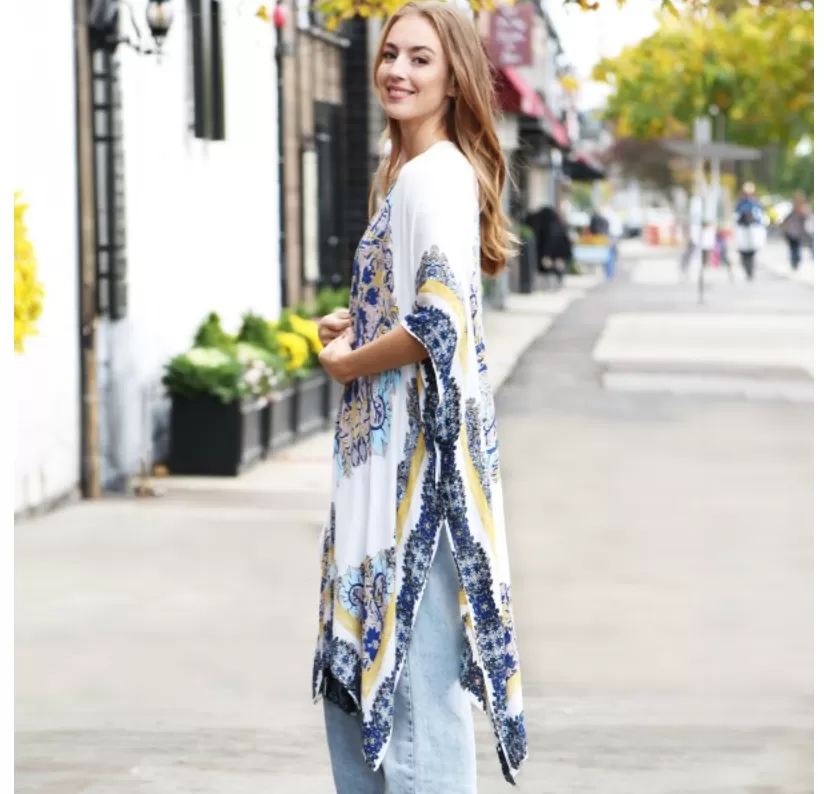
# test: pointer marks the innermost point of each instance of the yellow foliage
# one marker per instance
(337, 11)
(28, 291)
(728, 60)
(294, 349)
(309, 331)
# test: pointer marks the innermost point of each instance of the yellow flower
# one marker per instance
(294, 349)
(28, 291)
(309, 331)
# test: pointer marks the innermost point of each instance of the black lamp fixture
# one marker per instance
(104, 24)
(159, 16)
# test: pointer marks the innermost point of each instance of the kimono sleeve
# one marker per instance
(443, 249)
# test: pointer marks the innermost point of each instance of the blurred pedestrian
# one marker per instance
(810, 229)
(552, 239)
(750, 232)
(615, 230)
(415, 615)
(794, 227)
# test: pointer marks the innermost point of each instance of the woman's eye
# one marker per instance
(420, 61)
(388, 55)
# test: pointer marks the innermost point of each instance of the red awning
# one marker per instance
(515, 95)
(557, 130)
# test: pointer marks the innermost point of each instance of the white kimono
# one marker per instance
(416, 452)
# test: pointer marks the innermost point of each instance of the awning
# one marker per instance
(515, 95)
(723, 151)
(580, 168)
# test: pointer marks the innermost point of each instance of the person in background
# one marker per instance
(615, 229)
(810, 227)
(794, 228)
(598, 224)
(554, 245)
(749, 228)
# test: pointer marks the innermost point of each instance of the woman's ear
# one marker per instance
(452, 87)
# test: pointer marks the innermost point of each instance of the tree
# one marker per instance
(702, 62)
(648, 162)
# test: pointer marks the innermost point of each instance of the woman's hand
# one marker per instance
(335, 358)
(333, 325)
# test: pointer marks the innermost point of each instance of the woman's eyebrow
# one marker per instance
(417, 48)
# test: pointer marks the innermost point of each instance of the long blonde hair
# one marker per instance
(470, 124)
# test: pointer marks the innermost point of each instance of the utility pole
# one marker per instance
(702, 136)
(90, 442)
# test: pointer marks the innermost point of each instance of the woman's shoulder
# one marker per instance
(441, 174)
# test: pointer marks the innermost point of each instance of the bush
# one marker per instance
(330, 299)
(257, 331)
(28, 291)
(211, 334)
(206, 372)
(242, 371)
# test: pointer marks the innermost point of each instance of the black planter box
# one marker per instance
(210, 437)
(311, 411)
(278, 425)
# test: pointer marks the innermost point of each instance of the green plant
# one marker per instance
(258, 331)
(329, 299)
(242, 371)
(206, 372)
(211, 333)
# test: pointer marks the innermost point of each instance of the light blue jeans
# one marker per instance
(432, 749)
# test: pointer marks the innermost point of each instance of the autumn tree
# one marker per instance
(753, 70)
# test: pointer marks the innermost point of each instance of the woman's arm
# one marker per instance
(389, 351)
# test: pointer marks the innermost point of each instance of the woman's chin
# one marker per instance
(398, 113)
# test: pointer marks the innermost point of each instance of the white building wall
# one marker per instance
(201, 221)
(45, 378)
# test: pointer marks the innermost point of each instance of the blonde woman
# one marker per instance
(415, 612)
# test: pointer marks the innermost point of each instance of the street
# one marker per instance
(657, 461)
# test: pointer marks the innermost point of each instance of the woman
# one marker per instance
(794, 227)
(415, 614)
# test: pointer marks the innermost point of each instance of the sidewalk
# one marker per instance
(776, 260)
(164, 645)
(745, 339)
(306, 466)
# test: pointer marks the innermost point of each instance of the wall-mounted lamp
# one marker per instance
(104, 25)
(159, 18)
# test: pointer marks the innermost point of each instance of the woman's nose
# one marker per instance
(399, 67)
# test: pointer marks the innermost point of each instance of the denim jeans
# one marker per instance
(795, 252)
(432, 749)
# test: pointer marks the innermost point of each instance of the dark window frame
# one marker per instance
(207, 61)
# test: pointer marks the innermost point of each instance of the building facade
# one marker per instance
(184, 219)
(46, 377)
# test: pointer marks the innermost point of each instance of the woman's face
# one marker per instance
(413, 76)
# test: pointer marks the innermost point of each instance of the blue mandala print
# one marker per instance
(490, 430)
(365, 415)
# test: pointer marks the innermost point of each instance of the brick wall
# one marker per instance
(312, 72)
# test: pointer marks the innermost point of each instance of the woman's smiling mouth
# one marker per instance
(397, 93)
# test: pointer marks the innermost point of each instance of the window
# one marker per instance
(207, 84)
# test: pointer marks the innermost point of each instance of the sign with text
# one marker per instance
(510, 36)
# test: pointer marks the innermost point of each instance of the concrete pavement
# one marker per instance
(164, 645)
(661, 554)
